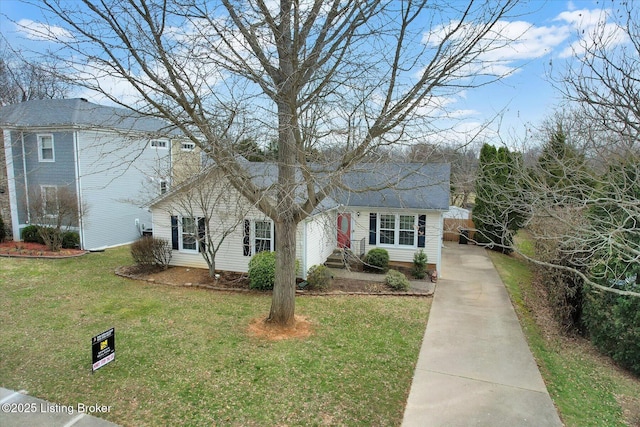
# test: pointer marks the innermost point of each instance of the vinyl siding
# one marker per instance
(114, 176)
(230, 255)
(320, 238)
(433, 235)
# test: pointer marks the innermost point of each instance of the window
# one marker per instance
(387, 229)
(257, 236)
(49, 200)
(397, 230)
(189, 234)
(187, 146)
(159, 143)
(406, 230)
(163, 187)
(45, 148)
(262, 236)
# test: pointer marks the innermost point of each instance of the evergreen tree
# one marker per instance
(499, 211)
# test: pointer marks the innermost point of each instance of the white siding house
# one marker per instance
(402, 220)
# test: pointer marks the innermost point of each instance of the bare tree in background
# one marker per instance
(22, 80)
(357, 75)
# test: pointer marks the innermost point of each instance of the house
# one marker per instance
(402, 219)
(108, 160)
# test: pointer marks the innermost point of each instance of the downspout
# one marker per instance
(24, 174)
(304, 250)
(76, 152)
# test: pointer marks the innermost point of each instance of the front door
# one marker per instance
(344, 230)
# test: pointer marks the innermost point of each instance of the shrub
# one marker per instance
(70, 240)
(262, 270)
(30, 234)
(151, 252)
(397, 280)
(419, 270)
(613, 324)
(319, 277)
(377, 260)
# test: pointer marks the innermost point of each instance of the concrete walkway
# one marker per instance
(18, 409)
(475, 367)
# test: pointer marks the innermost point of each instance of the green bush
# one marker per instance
(151, 252)
(419, 270)
(397, 280)
(70, 240)
(613, 324)
(31, 234)
(262, 270)
(319, 278)
(377, 260)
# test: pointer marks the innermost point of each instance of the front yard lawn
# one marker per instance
(186, 357)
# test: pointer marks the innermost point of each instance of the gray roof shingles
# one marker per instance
(77, 113)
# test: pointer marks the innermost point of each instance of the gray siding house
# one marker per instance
(108, 159)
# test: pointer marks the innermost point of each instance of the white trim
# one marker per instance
(39, 138)
(187, 146)
(78, 172)
(24, 177)
(180, 236)
(252, 235)
(396, 230)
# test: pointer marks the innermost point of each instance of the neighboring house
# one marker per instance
(109, 159)
(401, 220)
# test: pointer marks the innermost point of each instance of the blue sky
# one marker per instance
(547, 36)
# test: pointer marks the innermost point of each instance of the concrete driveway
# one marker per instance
(475, 367)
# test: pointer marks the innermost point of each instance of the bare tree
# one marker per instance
(209, 213)
(54, 210)
(23, 80)
(357, 75)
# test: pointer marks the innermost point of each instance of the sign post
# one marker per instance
(103, 349)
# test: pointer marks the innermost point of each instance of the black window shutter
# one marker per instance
(422, 222)
(174, 233)
(373, 219)
(273, 239)
(202, 231)
(246, 240)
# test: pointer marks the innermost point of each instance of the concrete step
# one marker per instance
(334, 264)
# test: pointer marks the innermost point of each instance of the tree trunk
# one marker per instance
(284, 291)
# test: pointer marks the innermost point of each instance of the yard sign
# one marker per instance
(103, 348)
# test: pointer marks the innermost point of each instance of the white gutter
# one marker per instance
(26, 184)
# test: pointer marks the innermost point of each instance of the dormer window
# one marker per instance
(159, 143)
(187, 146)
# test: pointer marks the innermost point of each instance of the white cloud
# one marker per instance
(43, 32)
(593, 29)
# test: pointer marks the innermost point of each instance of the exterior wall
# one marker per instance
(319, 240)
(5, 205)
(230, 256)
(116, 175)
(29, 173)
(433, 234)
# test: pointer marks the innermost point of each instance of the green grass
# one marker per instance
(586, 388)
(184, 356)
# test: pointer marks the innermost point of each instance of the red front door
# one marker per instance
(344, 230)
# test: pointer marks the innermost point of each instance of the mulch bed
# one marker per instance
(239, 282)
(35, 250)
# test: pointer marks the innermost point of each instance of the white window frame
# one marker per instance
(397, 230)
(255, 238)
(43, 194)
(159, 144)
(187, 146)
(181, 234)
(41, 147)
(164, 186)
